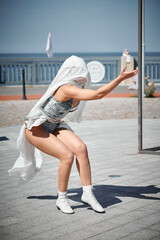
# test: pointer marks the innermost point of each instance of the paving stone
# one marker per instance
(144, 234)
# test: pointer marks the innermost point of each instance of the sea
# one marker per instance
(82, 54)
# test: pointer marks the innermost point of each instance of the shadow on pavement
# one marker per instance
(108, 195)
(45, 197)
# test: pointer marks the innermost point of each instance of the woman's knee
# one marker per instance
(81, 149)
(67, 157)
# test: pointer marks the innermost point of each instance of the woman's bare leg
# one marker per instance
(75, 144)
(79, 149)
(50, 144)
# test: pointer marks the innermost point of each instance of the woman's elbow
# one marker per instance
(98, 96)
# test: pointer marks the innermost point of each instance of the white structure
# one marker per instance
(96, 70)
(127, 60)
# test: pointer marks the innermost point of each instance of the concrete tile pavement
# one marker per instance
(126, 183)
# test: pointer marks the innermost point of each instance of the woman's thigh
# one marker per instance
(71, 140)
(47, 142)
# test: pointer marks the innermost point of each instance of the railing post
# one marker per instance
(24, 87)
(34, 80)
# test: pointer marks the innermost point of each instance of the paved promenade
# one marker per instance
(126, 183)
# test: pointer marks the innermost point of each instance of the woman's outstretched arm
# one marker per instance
(69, 91)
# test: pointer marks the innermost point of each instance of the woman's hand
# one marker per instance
(124, 75)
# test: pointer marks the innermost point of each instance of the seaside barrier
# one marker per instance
(43, 70)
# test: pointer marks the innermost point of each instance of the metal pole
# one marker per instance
(140, 76)
(24, 87)
(143, 50)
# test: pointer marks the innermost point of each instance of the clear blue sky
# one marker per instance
(76, 25)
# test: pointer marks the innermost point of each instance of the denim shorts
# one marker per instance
(51, 126)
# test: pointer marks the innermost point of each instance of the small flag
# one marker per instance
(49, 46)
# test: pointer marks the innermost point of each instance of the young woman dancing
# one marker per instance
(44, 130)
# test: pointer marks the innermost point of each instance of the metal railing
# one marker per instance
(43, 70)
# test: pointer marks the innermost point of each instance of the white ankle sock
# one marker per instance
(87, 189)
(61, 194)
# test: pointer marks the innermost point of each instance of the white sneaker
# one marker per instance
(62, 204)
(89, 198)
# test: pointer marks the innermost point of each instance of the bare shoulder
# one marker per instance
(67, 89)
(63, 92)
(66, 86)
(70, 89)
